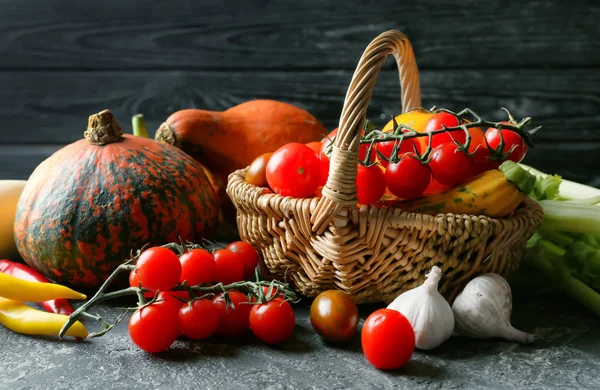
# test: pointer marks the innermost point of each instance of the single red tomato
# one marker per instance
(248, 254)
(198, 267)
(229, 266)
(199, 319)
(158, 268)
(172, 300)
(316, 146)
(435, 187)
(408, 178)
(153, 328)
(450, 165)
(134, 282)
(334, 316)
(294, 170)
(362, 151)
(511, 140)
(274, 294)
(406, 146)
(370, 184)
(388, 339)
(448, 120)
(482, 160)
(233, 320)
(273, 322)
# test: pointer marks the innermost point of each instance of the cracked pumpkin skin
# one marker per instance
(88, 205)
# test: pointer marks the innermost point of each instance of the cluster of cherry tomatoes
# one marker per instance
(171, 312)
(407, 170)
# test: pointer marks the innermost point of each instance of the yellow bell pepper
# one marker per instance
(21, 318)
(26, 291)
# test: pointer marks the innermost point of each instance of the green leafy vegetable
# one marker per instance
(566, 248)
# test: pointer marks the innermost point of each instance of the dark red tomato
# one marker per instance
(449, 165)
(198, 267)
(370, 184)
(233, 321)
(386, 148)
(388, 339)
(158, 268)
(294, 170)
(153, 328)
(482, 160)
(511, 139)
(448, 120)
(273, 322)
(256, 173)
(408, 178)
(229, 266)
(134, 282)
(248, 254)
(334, 316)
(199, 319)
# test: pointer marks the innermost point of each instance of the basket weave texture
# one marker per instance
(373, 253)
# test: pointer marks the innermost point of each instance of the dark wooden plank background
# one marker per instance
(61, 61)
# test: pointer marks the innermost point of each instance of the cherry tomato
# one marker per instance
(158, 268)
(388, 339)
(370, 184)
(362, 151)
(198, 267)
(233, 321)
(134, 282)
(386, 148)
(448, 120)
(482, 160)
(294, 170)
(248, 254)
(256, 173)
(272, 322)
(477, 139)
(199, 319)
(273, 295)
(153, 328)
(316, 146)
(408, 178)
(334, 316)
(511, 139)
(435, 187)
(172, 300)
(449, 165)
(229, 266)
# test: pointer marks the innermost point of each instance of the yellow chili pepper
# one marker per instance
(21, 318)
(26, 291)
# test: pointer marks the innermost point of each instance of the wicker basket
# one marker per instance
(372, 253)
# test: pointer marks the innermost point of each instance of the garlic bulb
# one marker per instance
(483, 308)
(427, 311)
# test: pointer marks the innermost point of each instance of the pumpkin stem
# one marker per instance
(103, 129)
(166, 134)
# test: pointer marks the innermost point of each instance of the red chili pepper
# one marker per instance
(21, 271)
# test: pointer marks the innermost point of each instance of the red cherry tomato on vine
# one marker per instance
(233, 321)
(229, 266)
(199, 319)
(370, 184)
(134, 282)
(450, 165)
(198, 267)
(408, 178)
(158, 268)
(273, 322)
(511, 139)
(153, 328)
(362, 151)
(294, 170)
(388, 339)
(316, 146)
(482, 160)
(248, 254)
(448, 120)
(406, 146)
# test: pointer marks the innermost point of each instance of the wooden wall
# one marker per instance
(61, 61)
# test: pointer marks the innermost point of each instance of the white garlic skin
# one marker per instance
(483, 309)
(427, 311)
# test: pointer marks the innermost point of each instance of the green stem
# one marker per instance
(139, 126)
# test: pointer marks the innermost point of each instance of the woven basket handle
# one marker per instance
(340, 189)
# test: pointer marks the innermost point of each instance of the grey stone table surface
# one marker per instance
(566, 356)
